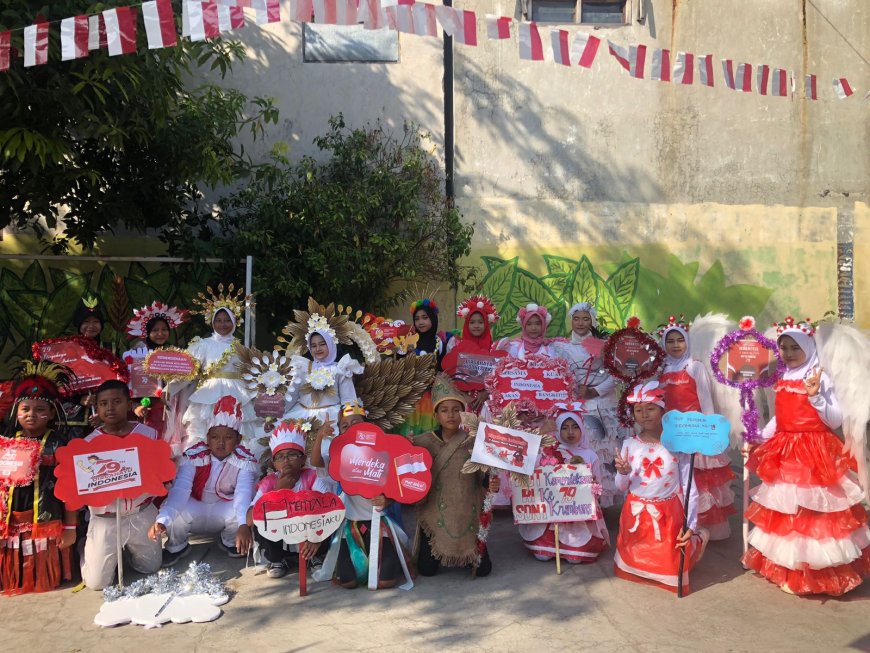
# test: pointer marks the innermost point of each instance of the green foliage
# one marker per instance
(117, 140)
(350, 226)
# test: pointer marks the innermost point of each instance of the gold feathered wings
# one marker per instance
(390, 388)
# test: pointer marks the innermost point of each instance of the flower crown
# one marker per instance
(790, 324)
(478, 304)
(533, 309)
(674, 323)
(234, 301)
(424, 303)
(137, 326)
(317, 322)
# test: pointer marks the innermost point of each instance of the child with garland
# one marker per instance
(37, 531)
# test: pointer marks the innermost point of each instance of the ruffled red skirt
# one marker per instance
(801, 458)
(544, 548)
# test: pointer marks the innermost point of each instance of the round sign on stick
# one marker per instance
(632, 356)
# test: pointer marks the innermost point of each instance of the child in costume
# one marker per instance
(448, 518)
(533, 320)
(478, 314)
(212, 491)
(152, 325)
(651, 523)
(579, 542)
(287, 444)
(686, 385)
(810, 534)
(137, 515)
(597, 389)
(348, 557)
(37, 530)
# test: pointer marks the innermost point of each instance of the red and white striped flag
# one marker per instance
(372, 15)
(498, 27)
(399, 15)
(661, 66)
(810, 83)
(561, 47)
(460, 24)
(268, 11)
(684, 68)
(96, 32)
(410, 463)
(425, 21)
(120, 30)
(705, 70)
(159, 24)
(230, 18)
(771, 82)
(531, 46)
(36, 44)
(199, 20)
(73, 38)
(632, 59)
(842, 88)
(301, 10)
(335, 12)
(5, 49)
(584, 47)
(739, 79)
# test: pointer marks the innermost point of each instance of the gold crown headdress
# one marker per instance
(234, 300)
(329, 319)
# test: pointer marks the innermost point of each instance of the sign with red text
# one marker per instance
(631, 355)
(534, 384)
(110, 467)
(560, 493)
(748, 360)
(266, 405)
(470, 366)
(295, 517)
(171, 364)
(141, 383)
(368, 462)
(504, 448)
(90, 364)
(19, 461)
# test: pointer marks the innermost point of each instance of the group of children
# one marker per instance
(810, 532)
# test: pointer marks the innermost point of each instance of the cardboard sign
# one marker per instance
(504, 448)
(562, 493)
(91, 364)
(695, 433)
(748, 360)
(171, 364)
(295, 517)
(19, 461)
(368, 462)
(111, 467)
(535, 384)
(266, 405)
(631, 355)
(141, 383)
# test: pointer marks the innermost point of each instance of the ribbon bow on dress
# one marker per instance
(651, 467)
(637, 509)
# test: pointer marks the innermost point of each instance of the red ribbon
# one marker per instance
(651, 467)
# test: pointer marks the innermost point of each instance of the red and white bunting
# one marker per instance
(531, 46)
(773, 82)
(230, 18)
(5, 49)
(96, 32)
(267, 11)
(584, 47)
(633, 58)
(35, 44)
(498, 27)
(705, 70)
(400, 16)
(660, 71)
(120, 30)
(73, 38)
(460, 24)
(159, 24)
(372, 15)
(301, 10)
(684, 68)
(842, 88)
(811, 86)
(561, 47)
(199, 20)
(336, 12)
(739, 79)
(425, 20)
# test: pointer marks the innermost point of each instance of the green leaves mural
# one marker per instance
(627, 290)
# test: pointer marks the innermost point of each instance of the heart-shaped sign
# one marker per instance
(19, 460)
(294, 517)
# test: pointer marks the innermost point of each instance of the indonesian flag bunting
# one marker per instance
(632, 59)
(498, 27)
(230, 18)
(73, 38)
(199, 20)
(5, 49)
(372, 15)
(842, 88)
(301, 10)
(620, 54)
(96, 32)
(531, 47)
(400, 16)
(36, 44)
(705, 70)
(561, 49)
(811, 87)
(410, 463)
(460, 24)
(120, 30)
(235, 3)
(159, 24)
(584, 48)
(268, 11)
(769, 82)
(335, 12)
(739, 80)
(661, 66)
(684, 68)
(425, 21)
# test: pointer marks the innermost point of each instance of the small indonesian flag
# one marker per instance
(531, 46)
(399, 15)
(460, 24)
(120, 30)
(230, 18)
(73, 38)
(425, 20)
(36, 44)
(96, 32)
(561, 49)
(661, 66)
(410, 463)
(684, 68)
(705, 70)
(268, 11)
(199, 20)
(584, 48)
(301, 10)
(5, 49)
(159, 24)
(842, 88)
(372, 15)
(739, 80)
(811, 86)
(335, 12)
(498, 27)
(633, 59)
(771, 82)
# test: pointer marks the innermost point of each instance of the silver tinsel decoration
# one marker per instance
(197, 579)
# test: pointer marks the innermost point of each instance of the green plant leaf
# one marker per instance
(584, 284)
(498, 284)
(623, 284)
(557, 284)
(56, 318)
(34, 278)
(507, 326)
(609, 314)
(559, 265)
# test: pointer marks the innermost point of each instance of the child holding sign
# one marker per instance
(36, 528)
(136, 515)
(651, 524)
(449, 517)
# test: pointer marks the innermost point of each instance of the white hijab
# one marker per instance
(676, 364)
(808, 346)
(229, 337)
(588, 308)
(574, 449)
(330, 347)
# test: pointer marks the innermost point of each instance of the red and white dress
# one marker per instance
(652, 516)
(810, 534)
(687, 388)
(579, 542)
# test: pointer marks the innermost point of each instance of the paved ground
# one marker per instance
(522, 606)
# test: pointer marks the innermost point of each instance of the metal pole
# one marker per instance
(448, 115)
(249, 273)
(106, 259)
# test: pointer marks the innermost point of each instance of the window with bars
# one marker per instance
(584, 12)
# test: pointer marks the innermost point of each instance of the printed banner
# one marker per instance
(534, 384)
(504, 448)
(91, 364)
(266, 405)
(171, 364)
(116, 470)
(562, 493)
(695, 432)
(748, 360)
(19, 461)
(631, 355)
(141, 383)
(295, 517)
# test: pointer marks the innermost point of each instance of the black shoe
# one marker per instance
(169, 558)
(485, 565)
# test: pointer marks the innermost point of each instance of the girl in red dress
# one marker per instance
(478, 314)
(810, 534)
(651, 523)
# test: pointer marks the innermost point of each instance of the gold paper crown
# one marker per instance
(354, 407)
(234, 301)
(444, 390)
